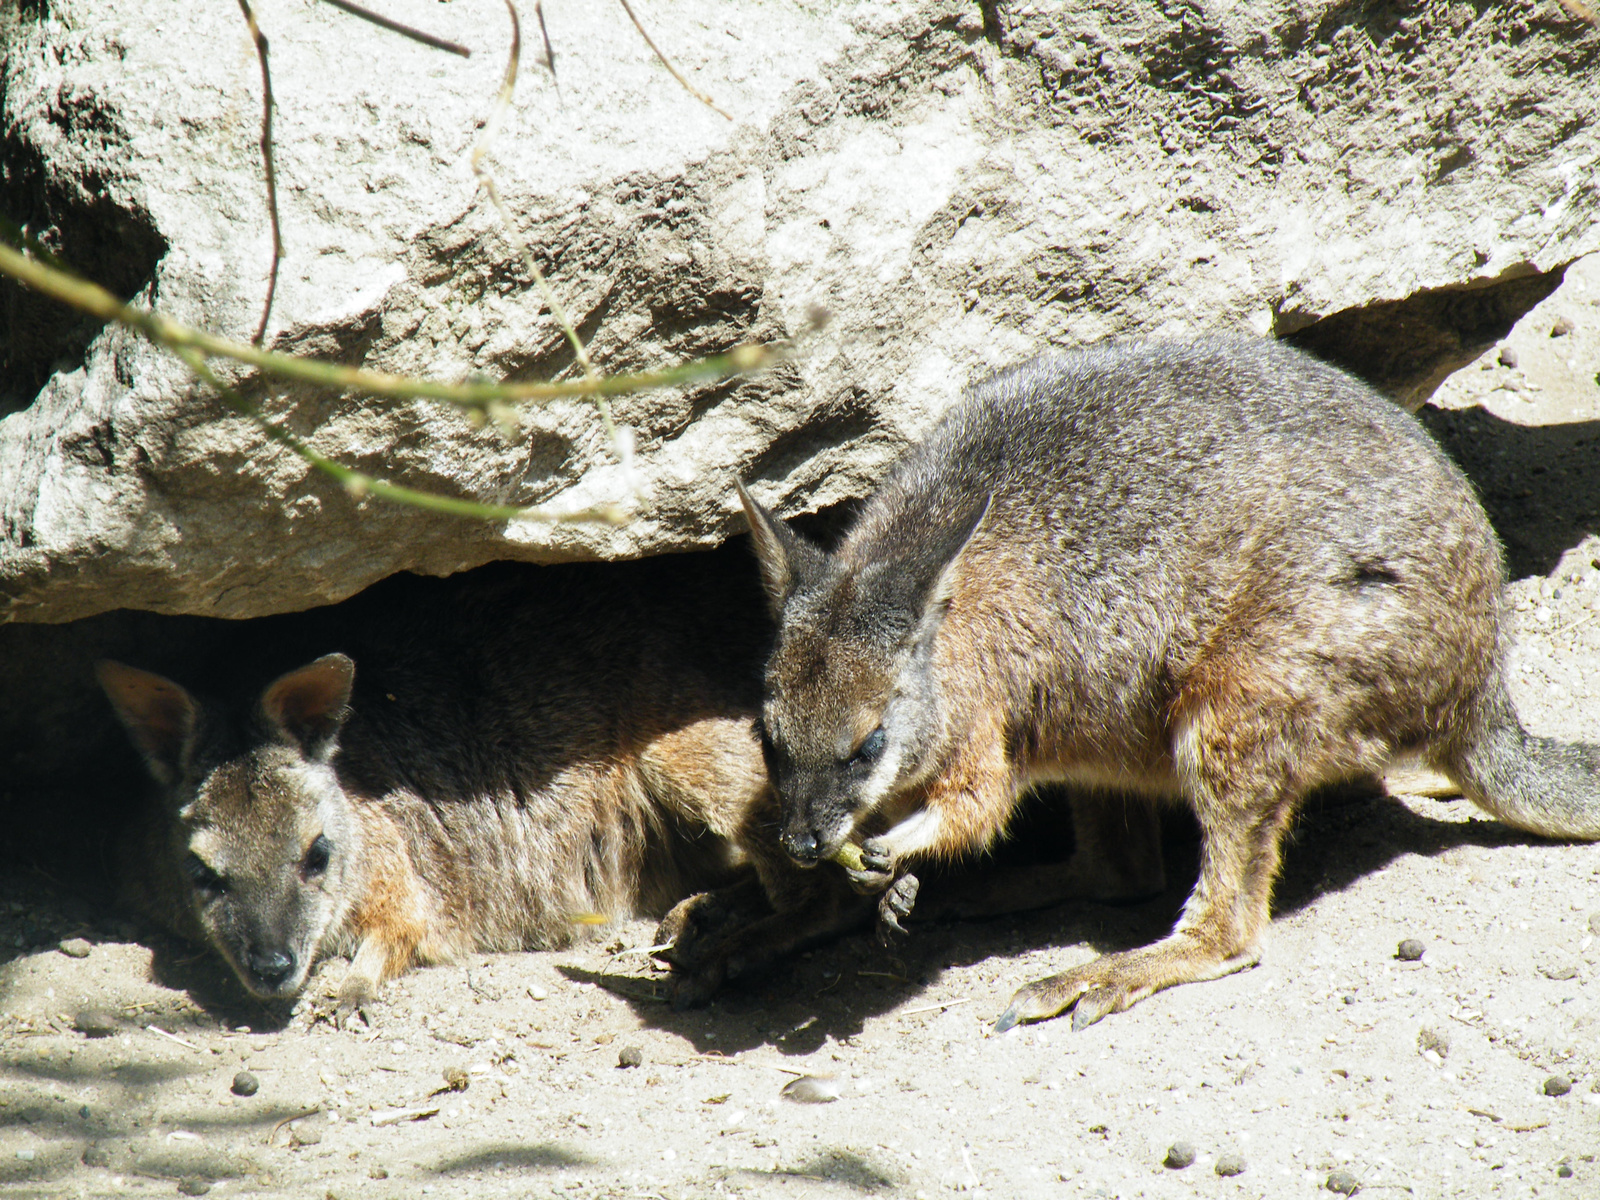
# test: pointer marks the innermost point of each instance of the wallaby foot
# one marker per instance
(717, 936)
(895, 904)
(1119, 981)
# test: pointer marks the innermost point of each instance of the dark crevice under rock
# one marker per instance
(1406, 348)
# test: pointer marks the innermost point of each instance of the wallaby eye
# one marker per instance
(316, 859)
(206, 881)
(871, 747)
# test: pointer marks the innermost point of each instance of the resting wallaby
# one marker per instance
(478, 762)
(1217, 571)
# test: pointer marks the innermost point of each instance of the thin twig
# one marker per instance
(667, 63)
(171, 1037)
(97, 302)
(416, 35)
(267, 166)
(1582, 11)
(480, 168)
(359, 484)
(549, 51)
(911, 1012)
(300, 1116)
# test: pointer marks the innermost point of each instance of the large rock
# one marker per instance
(958, 185)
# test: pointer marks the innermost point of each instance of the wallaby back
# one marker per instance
(473, 763)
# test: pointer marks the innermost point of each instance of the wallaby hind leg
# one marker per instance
(1116, 859)
(1243, 766)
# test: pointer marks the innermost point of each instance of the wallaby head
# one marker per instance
(259, 830)
(852, 715)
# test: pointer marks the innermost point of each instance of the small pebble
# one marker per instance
(245, 1084)
(1179, 1156)
(377, 1173)
(1557, 1085)
(1229, 1164)
(538, 993)
(94, 1022)
(1561, 327)
(194, 1186)
(811, 1089)
(25, 1155)
(1410, 950)
(1508, 356)
(1433, 1040)
(1344, 1182)
(303, 1133)
(456, 1079)
(96, 1155)
(1561, 972)
(1563, 1172)
(76, 948)
(630, 1056)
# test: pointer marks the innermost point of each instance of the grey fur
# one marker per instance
(1217, 571)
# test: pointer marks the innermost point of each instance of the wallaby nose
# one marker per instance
(801, 845)
(272, 967)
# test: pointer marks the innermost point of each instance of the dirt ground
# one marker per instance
(119, 1051)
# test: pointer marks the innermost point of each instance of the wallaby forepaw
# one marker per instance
(354, 994)
(876, 871)
(895, 905)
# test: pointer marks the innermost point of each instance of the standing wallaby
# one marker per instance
(466, 764)
(1217, 571)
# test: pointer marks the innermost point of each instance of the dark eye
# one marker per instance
(205, 880)
(871, 748)
(316, 860)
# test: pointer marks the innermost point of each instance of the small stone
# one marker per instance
(303, 1133)
(1561, 972)
(96, 1155)
(811, 1089)
(538, 993)
(1410, 950)
(1508, 358)
(1561, 326)
(377, 1173)
(94, 1022)
(1229, 1164)
(76, 948)
(1557, 1085)
(1431, 1040)
(245, 1084)
(456, 1079)
(1179, 1156)
(1564, 1171)
(630, 1056)
(194, 1186)
(1344, 1182)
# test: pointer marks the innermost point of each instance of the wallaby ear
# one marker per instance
(158, 715)
(309, 705)
(783, 555)
(930, 569)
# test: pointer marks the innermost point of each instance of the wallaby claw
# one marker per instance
(895, 904)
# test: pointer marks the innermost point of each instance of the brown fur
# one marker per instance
(485, 759)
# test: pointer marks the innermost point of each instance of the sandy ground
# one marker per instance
(1427, 1078)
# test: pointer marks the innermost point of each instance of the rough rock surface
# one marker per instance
(960, 185)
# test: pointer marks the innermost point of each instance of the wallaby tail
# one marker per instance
(1544, 786)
